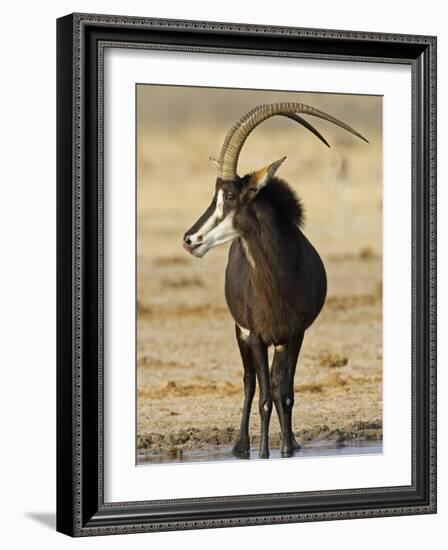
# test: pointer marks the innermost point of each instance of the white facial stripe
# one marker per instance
(220, 203)
(222, 233)
(211, 222)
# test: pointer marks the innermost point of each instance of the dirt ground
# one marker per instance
(189, 373)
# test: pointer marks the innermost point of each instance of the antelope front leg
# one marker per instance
(260, 356)
(282, 385)
(242, 444)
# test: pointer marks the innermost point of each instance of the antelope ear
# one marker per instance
(257, 180)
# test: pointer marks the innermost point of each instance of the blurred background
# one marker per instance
(189, 373)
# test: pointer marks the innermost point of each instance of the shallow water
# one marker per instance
(310, 449)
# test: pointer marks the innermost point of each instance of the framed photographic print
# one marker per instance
(246, 274)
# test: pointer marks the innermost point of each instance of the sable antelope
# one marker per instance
(275, 280)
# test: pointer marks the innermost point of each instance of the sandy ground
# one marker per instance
(189, 373)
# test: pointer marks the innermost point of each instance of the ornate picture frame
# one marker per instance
(81, 43)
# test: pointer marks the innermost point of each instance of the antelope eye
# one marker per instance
(229, 196)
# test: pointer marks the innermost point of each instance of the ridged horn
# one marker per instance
(230, 152)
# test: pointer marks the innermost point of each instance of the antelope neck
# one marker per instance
(267, 253)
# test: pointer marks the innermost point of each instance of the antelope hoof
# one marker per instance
(287, 453)
(296, 446)
(289, 450)
(241, 449)
(264, 454)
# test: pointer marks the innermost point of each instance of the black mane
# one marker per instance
(285, 201)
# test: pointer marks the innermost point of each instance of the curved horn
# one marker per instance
(228, 158)
(308, 126)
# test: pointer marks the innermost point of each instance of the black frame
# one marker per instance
(81, 39)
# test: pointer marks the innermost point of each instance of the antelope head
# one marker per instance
(225, 218)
